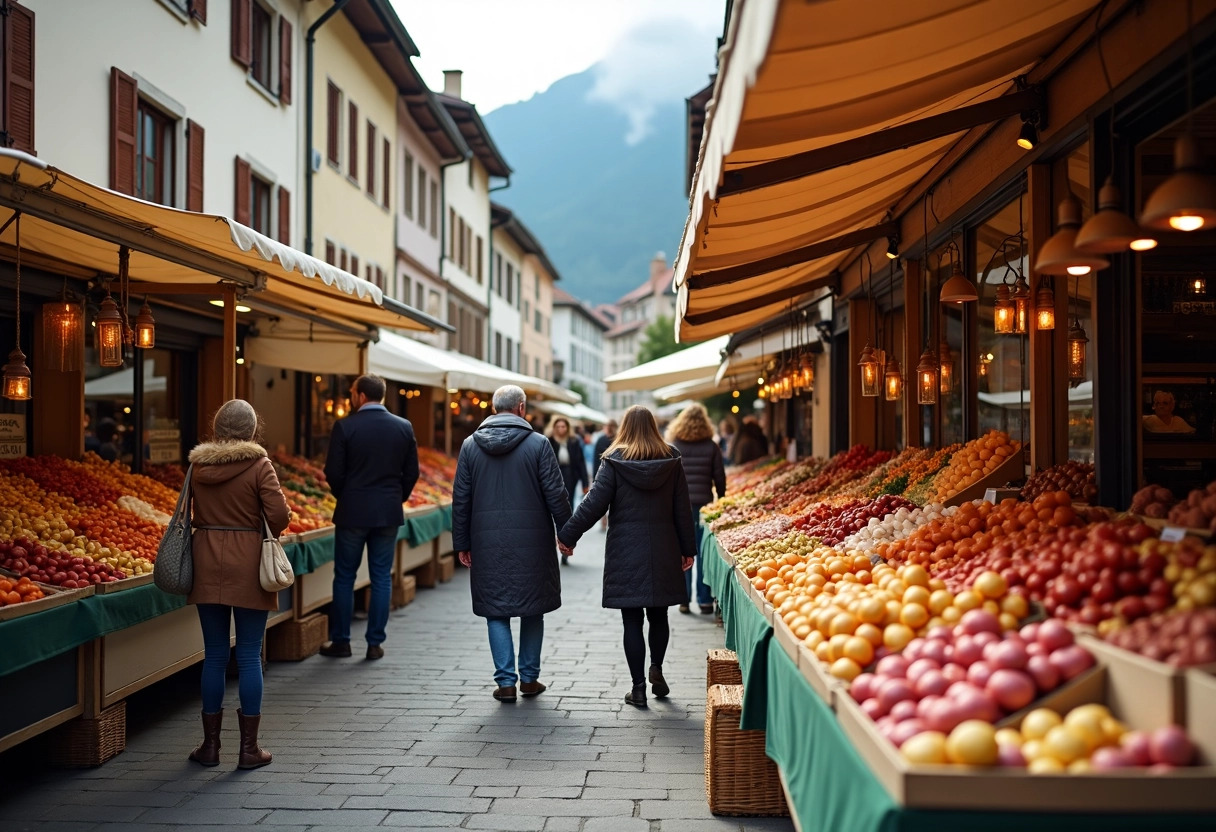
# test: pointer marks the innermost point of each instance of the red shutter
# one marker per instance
(17, 94)
(352, 142)
(194, 166)
(124, 115)
(284, 216)
(371, 159)
(198, 10)
(284, 60)
(242, 32)
(388, 156)
(244, 192)
(334, 98)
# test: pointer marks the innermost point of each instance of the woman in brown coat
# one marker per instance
(233, 487)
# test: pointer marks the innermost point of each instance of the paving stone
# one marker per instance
(331, 818)
(659, 809)
(508, 823)
(563, 824)
(616, 825)
(567, 808)
(460, 805)
(422, 820)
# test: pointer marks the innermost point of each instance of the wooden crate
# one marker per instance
(722, 668)
(405, 587)
(84, 743)
(740, 779)
(293, 641)
(447, 568)
(53, 596)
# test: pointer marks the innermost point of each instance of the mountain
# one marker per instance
(600, 206)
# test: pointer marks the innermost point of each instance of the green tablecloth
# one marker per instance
(425, 527)
(307, 556)
(714, 566)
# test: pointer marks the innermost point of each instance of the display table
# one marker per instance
(828, 784)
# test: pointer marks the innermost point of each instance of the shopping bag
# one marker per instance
(275, 571)
(174, 569)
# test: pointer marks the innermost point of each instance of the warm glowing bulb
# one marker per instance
(1046, 319)
(895, 386)
(734, 394)
(1186, 223)
(1143, 244)
(1077, 271)
(126, 410)
(760, 380)
(734, 408)
(1026, 144)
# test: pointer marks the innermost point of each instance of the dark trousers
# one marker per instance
(635, 642)
(349, 542)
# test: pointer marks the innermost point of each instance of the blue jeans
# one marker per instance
(381, 541)
(705, 595)
(502, 648)
(216, 620)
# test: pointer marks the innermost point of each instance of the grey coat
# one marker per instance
(704, 470)
(507, 502)
(651, 530)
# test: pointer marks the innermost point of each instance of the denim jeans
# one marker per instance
(216, 621)
(381, 541)
(502, 648)
(705, 595)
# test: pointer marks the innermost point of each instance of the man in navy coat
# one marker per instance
(372, 467)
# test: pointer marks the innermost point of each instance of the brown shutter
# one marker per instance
(329, 253)
(198, 10)
(331, 128)
(242, 32)
(352, 142)
(17, 94)
(284, 216)
(371, 159)
(194, 166)
(244, 187)
(388, 157)
(124, 115)
(284, 60)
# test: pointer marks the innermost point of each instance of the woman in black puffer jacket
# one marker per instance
(650, 540)
(692, 435)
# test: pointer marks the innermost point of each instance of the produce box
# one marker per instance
(447, 568)
(444, 544)
(1012, 469)
(1015, 789)
(828, 687)
(739, 778)
(1147, 693)
(1201, 712)
(312, 534)
(785, 637)
(404, 590)
(53, 597)
(410, 557)
(125, 584)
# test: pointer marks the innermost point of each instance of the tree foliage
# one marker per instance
(658, 340)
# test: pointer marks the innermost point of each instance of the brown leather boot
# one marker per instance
(208, 754)
(251, 755)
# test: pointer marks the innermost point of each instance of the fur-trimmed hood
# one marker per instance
(221, 461)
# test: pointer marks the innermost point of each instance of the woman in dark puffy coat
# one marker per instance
(568, 449)
(650, 540)
(693, 436)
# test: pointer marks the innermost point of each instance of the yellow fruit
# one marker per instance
(1009, 736)
(1045, 765)
(1065, 744)
(915, 575)
(859, 650)
(914, 616)
(927, 747)
(1080, 766)
(951, 615)
(870, 633)
(972, 743)
(1114, 730)
(836, 646)
(1038, 722)
(967, 600)
(990, 584)
(1015, 605)
(897, 636)
(1032, 750)
(916, 595)
(1087, 724)
(845, 623)
(939, 600)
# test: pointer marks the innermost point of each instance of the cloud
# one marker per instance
(652, 64)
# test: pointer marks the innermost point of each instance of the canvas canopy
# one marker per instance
(695, 362)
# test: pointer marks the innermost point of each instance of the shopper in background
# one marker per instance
(108, 446)
(650, 542)
(508, 500)
(751, 443)
(693, 436)
(372, 466)
(601, 444)
(569, 452)
(233, 487)
(726, 437)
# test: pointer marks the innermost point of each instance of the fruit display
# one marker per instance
(36, 562)
(1197, 511)
(1077, 478)
(1181, 639)
(769, 527)
(972, 462)
(307, 492)
(13, 592)
(850, 518)
(895, 526)
(1153, 501)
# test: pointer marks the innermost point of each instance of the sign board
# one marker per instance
(1172, 534)
(12, 435)
(164, 442)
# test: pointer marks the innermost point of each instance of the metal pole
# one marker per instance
(309, 41)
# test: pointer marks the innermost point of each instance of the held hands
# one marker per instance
(564, 549)
(686, 563)
(466, 559)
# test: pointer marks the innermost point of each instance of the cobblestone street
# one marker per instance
(415, 740)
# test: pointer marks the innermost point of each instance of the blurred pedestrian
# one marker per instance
(726, 437)
(691, 434)
(751, 443)
(372, 466)
(233, 487)
(508, 500)
(569, 452)
(650, 542)
(601, 445)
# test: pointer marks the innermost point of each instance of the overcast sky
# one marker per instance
(511, 49)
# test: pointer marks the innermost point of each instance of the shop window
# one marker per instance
(155, 155)
(260, 191)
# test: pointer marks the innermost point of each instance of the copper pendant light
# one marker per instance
(1059, 255)
(893, 380)
(1077, 343)
(1003, 311)
(1110, 231)
(17, 385)
(1187, 200)
(926, 379)
(145, 328)
(1021, 306)
(107, 340)
(869, 372)
(63, 333)
(958, 289)
(1044, 308)
(945, 359)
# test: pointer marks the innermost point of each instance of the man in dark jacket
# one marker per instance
(371, 467)
(508, 501)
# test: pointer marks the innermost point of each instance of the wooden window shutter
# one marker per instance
(371, 159)
(285, 42)
(352, 142)
(284, 216)
(388, 183)
(334, 97)
(242, 32)
(244, 192)
(198, 10)
(194, 166)
(124, 117)
(354, 264)
(329, 253)
(17, 94)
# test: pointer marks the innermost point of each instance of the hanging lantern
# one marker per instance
(1021, 306)
(958, 289)
(145, 329)
(1003, 311)
(893, 380)
(62, 334)
(1199, 285)
(926, 379)
(17, 377)
(869, 372)
(1187, 200)
(108, 339)
(946, 368)
(1059, 255)
(1045, 308)
(807, 370)
(1077, 342)
(1110, 231)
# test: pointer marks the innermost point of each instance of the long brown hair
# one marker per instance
(639, 437)
(692, 425)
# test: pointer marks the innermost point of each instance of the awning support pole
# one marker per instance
(229, 351)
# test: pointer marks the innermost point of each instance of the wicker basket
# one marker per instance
(722, 668)
(85, 743)
(295, 640)
(739, 778)
(404, 591)
(447, 568)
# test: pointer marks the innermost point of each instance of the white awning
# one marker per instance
(574, 412)
(121, 384)
(695, 362)
(699, 388)
(292, 344)
(1081, 395)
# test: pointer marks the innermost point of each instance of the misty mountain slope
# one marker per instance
(600, 206)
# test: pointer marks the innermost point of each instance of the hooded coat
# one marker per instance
(233, 485)
(507, 502)
(704, 470)
(576, 471)
(651, 529)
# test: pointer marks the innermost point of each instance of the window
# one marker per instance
(510, 351)
(329, 252)
(371, 159)
(498, 273)
(510, 283)
(342, 263)
(263, 57)
(432, 303)
(536, 287)
(538, 316)
(536, 371)
(498, 349)
(259, 204)
(407, 290)
(155, 158)
(354, 264)
(407, 188)
(386, 189)
(422, 197)
(527, 312)
(451, 233)
(352, 142)
(480, 258)
(435, 209)
(419, 296)
(333, 129)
